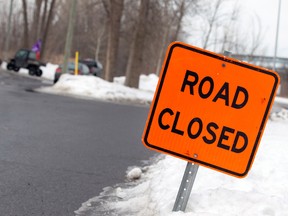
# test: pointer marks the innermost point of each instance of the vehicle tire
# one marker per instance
(39, 72)
(16, 69)
(10, 66)
(31, 71)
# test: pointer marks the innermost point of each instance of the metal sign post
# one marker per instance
(186, 187)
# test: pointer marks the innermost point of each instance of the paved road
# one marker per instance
(57, 152)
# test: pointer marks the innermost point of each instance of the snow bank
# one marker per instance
(281, 100)
(49, 71)
(97, 88)
(263, 192)
(278, 116)
(147, 82)
(4, 65)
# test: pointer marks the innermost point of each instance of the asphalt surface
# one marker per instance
(57, 152)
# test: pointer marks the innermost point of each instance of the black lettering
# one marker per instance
(174, 129)
(211, 87)
(245, 138)
(223, 94)
(240, 105)
(200, 127)
(163, 112)
(211, 132)
(191, 84)
(224, 137)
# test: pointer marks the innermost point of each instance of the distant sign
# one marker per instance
(210, 109)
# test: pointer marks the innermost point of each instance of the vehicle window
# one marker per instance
(84, 69)
(21, 54)
(71, 66)
(32, 55)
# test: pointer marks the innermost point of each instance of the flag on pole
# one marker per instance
(37, 48)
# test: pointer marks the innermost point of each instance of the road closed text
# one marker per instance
(210, 133)
(228, 138)
(210, 109)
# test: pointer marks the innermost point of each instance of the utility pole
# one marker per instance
(69, 36)
(7, 40)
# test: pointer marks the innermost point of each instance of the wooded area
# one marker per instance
(127, 36)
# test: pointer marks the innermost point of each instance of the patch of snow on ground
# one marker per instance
(48, 71)
(147, 82)
(263, 192)
(278, 116)
(134, 173)
(281, 100)
(97, 88)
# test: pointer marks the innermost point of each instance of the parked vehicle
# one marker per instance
(95, 67)
(25, 58)
(82, 70)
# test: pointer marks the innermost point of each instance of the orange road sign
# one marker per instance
(210, 109)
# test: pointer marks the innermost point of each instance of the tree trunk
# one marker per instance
(8, 33)
(114, 24)
(43, 20)
(26, 27)
(98, 45)
(36, 19)
(46, 30)
(135, 62)
(179, 19)
(212, 22)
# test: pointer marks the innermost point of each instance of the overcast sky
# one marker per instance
(267, 10)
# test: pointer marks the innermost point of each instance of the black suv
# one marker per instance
(25, 58)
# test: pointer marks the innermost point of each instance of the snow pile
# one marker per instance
(278, 116)
(49, 71)
(134, 174)
(263, 192)
(4, 65)
(97, 88)
(147, 82)
(281, 100)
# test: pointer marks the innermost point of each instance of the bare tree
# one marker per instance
(106, 30)
(256, 36)
(174, 12)
(114, 9)
(26, 26)
(36, 19)
(8, 34)
(135, 63)
(47, 28)
(228, 39)
(44, 16)
(212, 20)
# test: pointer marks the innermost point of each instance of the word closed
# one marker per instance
(210, 109)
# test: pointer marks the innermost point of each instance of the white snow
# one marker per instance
(49, 71)
(96, 88)
(134, 173)
(263, 192)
